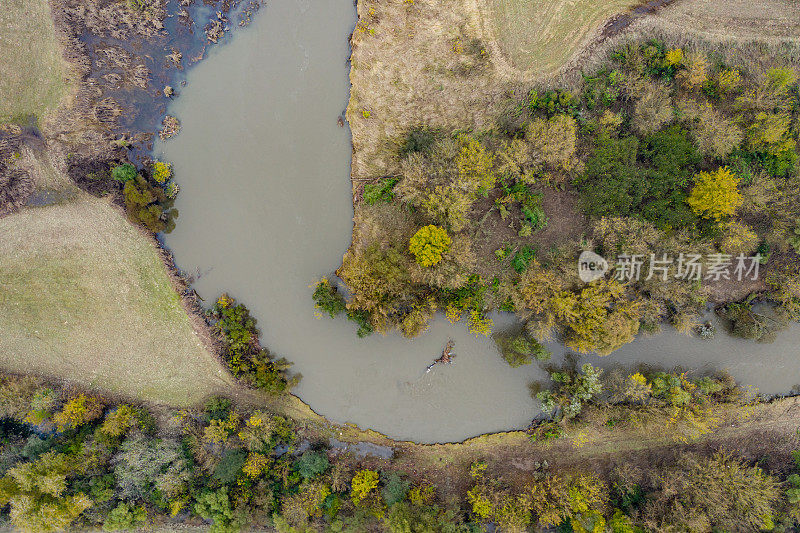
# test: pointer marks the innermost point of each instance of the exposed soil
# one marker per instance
(565, 225)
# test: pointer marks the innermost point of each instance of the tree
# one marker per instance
(711, 493)
(311, 464)
(119, 421)
(553, 141)
(770, 132)
(558, 498)
(38, 493)
(520, 349)
(476, 167)
(149, 206)
(405, 517)
(612, 183)
(125, 516)
(162, 172)
(715, 194)
(716, 135)
(217, 506)
(572, 389)
(653, 109)
(78, 411)
(429, 244)
(363, 483)
(143, 463)
(327, 298)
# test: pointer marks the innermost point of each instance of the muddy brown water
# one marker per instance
(265, 209)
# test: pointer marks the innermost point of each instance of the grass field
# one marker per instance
(32, 71)
(86, 297)
(542, 35)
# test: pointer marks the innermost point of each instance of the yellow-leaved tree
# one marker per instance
(429, 244)
(715, 194)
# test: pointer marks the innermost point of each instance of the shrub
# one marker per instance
(162, 172)
(520, 349)
(244, 354)
(674, 57)
(738, 238)
(380, 191)
(395, 489)
(715, 194)
(327, 298)
(794, 237)
(418, 140)
(523, 258)
(695, 71)
(124, 173)
(429, 244)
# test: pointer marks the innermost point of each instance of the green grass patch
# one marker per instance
(32, 70)
(85, 296)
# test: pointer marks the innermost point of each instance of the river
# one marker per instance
(265, 209)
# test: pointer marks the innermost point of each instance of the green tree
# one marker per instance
(217, 506)
(124, 173)
(124, 517)
(572, 389)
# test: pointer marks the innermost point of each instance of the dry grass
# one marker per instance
(32, 71)
(86, 297)
(763, 20)
(419, 63)
(540, 36)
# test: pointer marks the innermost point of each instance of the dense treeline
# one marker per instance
(667, 151)
(73, 460)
